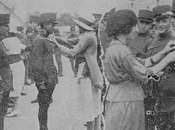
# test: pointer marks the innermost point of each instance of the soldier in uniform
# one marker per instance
(173, 16)
(27, 40)
(20, 35)
(43, 69)
(6, 78)
(160, 101)
(34, 23)
(145, 19)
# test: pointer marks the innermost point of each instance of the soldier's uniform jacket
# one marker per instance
(158, 43)
(6, 84)
(35, 33)
(42, 68)
(137, 44)
(167, 82)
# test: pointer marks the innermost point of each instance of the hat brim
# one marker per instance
(162, 17)
(55, 22)
(83, 25)
(146, 20)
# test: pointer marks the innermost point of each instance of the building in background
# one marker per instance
(15, 20)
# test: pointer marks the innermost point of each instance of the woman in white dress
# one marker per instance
(13, 46)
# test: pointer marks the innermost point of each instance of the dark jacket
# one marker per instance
(167, 82)
(42, 68)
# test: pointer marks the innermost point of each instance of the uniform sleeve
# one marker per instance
(13, 58)
(135, 68)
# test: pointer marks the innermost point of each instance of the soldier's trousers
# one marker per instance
(44, 98)
(3, 108)
(26, 64)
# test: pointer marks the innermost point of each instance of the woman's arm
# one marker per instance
(159, 56)
(69, 42)
(82, 45)
(154, 59)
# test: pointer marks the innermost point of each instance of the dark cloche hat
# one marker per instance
(34, 18)
(4, 18)
(50, 17)
(145, 15)
(120, 20)
(163, 11)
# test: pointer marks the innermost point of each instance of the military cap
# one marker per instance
(20, 28)
(50, 17)
(34, 18)
(85, 21)
(4, 18)
(163, 11)
(145, 15)
(173, 8)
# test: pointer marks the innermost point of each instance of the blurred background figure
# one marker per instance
(57, 54)
(20, 34)
(73, 61)
(14, 46)
(34, 23)
(27, 41)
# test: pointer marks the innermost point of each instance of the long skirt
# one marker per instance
(88, 98)
(125, 115)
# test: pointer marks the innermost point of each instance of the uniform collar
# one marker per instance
(143, 34)
(165, 35)
(43, 33)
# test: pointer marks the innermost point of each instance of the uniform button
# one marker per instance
(158, 41)
(155, 51)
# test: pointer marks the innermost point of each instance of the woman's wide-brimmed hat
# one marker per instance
(85, 21)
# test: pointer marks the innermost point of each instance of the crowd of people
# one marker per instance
(123, 67)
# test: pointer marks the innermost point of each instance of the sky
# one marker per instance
(22, 7)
